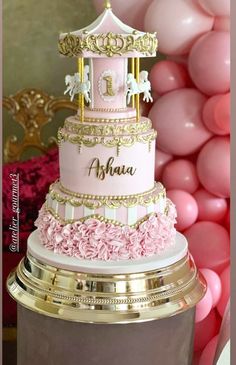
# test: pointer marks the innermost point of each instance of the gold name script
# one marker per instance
(103, 170)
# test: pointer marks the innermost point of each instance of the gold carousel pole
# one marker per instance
(133, 73)
(137, 71)
(81, 96)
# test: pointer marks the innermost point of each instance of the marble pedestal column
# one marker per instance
(51, 341)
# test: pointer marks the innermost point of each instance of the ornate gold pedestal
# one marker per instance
(119, 298)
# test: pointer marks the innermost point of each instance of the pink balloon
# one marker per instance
(208, 353)
(178, 24)
(222, 113)
(161, 160)
(177, 118)
(206, 330)
(225, 282)
(222, 24)
(181, 175)
(216, 7)
(210, 207)
(166, 76)
(213, 166)
(130, 12)
(209, 245)
(182, 60)
(209, 63)
(216, 114)
(214, 284)
(204, 307)
(186, 206)
(227, 220)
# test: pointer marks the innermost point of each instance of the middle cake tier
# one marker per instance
(107, 159)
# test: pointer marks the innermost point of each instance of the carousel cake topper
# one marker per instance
(112, 80)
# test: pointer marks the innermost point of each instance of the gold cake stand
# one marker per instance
(99, 298)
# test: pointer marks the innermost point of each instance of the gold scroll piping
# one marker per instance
(137, 96)
(107, 130)
(108, 44)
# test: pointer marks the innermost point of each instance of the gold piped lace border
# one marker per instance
(109, 45)
(83, 129)
(96, 201)
(116, 141)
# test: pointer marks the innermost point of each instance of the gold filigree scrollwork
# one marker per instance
(110, 202)
(32, 109)
(110, 44)
(116, 141)
(107, 130)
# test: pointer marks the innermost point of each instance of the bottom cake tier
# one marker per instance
(98, 238)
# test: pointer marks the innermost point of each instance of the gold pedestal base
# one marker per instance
(92, 298)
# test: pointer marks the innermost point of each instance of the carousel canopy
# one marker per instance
(107, 36)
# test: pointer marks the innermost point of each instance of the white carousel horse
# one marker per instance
(144, 86)
(75, 86)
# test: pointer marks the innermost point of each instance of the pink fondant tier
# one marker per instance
(107, 159)
(96, 239)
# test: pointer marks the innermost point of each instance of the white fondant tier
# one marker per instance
(110, 164)
(69, 207)
(168, 257)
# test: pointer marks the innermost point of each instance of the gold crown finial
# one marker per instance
(107, 4)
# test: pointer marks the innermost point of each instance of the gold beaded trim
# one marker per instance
(107, 130)
(108, 44)
(113, 197)
(126, 141)
(95, 216)
(109, 202)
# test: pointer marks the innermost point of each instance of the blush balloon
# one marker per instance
(225, 282)
(213, 166)
(161, 160)
(210, 207)
(208, 353)
(214, 284)
(206, 330)
(209, 245)
(204, 307)
(186, 206)
(216, 7)
(222, 113)
(216, 114)
(222, 24)
(130, 12)
(167, 76)
(182, 60)
(209, 63)
(181, 175)
(177, 117)
(178, 24)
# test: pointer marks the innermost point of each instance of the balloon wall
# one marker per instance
(191, 113)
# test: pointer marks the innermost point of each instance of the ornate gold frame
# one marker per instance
(32, 109)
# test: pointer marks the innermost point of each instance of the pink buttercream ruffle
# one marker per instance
(95, 240)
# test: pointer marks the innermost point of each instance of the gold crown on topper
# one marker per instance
(107, 4)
